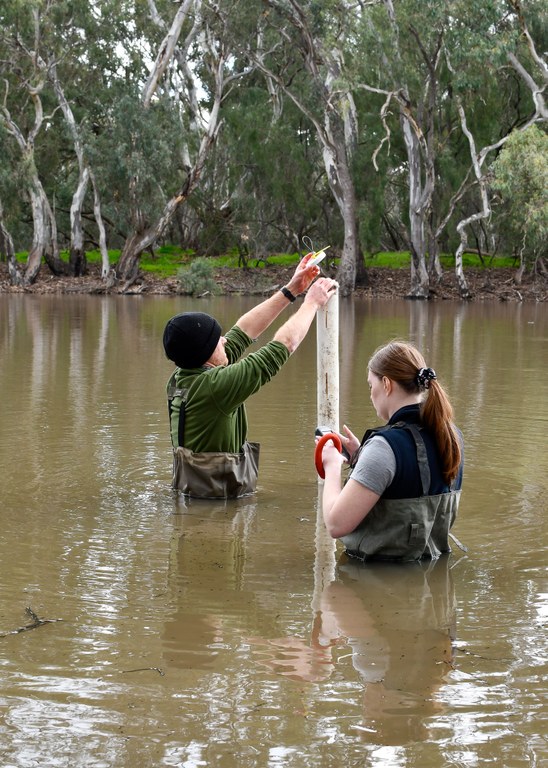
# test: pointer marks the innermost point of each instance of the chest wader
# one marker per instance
(211, 475)
(407, 529)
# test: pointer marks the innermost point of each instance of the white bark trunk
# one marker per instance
(41, 237)
(105, 262)
(485, 207)
(143, 236)
(41, 210)
(77, 251)
(419, 274)
(165, 54)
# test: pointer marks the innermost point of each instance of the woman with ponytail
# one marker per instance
(402, 494)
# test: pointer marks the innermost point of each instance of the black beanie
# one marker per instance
(190, 338)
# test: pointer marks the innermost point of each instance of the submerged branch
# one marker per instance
(36, 622)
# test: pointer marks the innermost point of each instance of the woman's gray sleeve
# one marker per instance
(376, 465)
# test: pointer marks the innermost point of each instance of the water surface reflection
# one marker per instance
(232, 634)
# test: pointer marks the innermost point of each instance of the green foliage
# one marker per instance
(198, 278)
(137, 158)
(274, 178)
(521, 178)
(264, 184)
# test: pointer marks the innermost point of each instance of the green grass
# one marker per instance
(401, 259)
(168, 259)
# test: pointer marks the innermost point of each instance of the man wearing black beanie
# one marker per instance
(212, 457)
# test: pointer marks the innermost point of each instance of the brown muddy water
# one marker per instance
(139, 630)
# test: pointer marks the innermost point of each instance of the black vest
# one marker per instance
(401, 434)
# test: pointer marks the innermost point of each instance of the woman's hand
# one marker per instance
(350, 441)
(332, 459)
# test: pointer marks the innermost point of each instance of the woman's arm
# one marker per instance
(345, 507)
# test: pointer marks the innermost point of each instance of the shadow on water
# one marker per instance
(195, 633)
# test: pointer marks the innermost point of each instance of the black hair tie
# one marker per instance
(425, 376)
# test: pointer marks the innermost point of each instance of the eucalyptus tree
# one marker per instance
(520, 176)
(414, 71)
(498, 35)
(189, 78)
(407, 44)
(302, 48)
(85, 177)
(51, 51)
(23, 118)
(440, 62)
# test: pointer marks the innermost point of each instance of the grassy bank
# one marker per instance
(168, 260)
(174, 271)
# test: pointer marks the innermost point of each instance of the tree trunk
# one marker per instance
(348, 265)
(339, 141)
(145, 235)
(105, 263)
(127, 268)
(459, 271)
(41, 237)
(7, 252)
(166, 51)
(434, 264)
(42, 215)
(77, 255)
(51, 253)
(342, 187)
(420, 282)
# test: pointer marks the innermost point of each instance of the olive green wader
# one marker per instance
(407, 529)
(212, 475)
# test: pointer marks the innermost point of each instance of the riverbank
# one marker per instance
(490, 284)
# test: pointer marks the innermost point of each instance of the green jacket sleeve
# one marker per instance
(230, 386)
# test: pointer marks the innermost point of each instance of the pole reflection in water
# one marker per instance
(397, 624)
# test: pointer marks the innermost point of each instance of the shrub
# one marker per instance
(197, 279)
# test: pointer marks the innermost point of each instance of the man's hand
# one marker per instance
(303, 276)
(322, 290)
(295, 329)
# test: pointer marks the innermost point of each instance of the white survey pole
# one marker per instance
(327, 325)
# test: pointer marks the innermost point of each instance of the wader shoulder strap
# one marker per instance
(422, 457)
(172, 392)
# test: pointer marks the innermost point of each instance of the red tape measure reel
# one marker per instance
(319, 448)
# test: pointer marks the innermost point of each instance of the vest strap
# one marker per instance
(172, 392)
(422, 456)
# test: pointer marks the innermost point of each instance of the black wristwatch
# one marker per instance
(287, 293)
